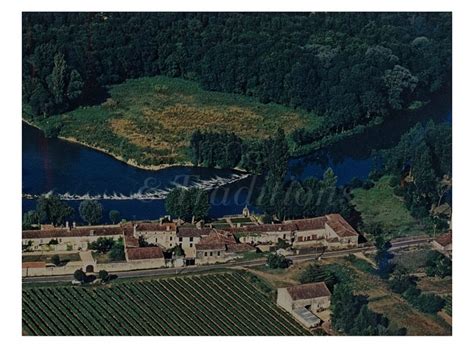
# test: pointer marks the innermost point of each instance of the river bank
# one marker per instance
(129, 162)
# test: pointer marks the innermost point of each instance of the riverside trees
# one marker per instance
(349, 67)
(188, 204)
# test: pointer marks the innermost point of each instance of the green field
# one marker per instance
(379, 205)
(149, 120)
(217, 304)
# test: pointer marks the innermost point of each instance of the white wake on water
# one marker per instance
(146, 193)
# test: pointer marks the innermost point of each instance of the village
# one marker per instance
(173, 244)
(168, 243)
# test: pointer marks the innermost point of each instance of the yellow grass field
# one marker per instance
(149, 121)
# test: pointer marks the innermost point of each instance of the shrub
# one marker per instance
(102, 244)
(79, 275)
(277, 261)
(117, 252)
(104, 275)
(56, 260)
(394, 181)
(438, 265)
(52, 130)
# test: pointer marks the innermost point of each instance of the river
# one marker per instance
(76, 172)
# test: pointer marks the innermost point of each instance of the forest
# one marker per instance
(351, 68)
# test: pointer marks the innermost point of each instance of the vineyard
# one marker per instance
(217, 304)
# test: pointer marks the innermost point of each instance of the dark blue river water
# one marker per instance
(77, 172)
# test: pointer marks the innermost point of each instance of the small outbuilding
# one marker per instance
(444, 243)
(305, 301)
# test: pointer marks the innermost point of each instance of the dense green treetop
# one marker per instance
(351, 67)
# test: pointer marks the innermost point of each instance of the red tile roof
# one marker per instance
(308, 291)
(286, 227)
(445, 239)
(310, 224)
(33, 264)
(131, 242)
(239, 248)
(214, 246)
(192, 232)
(144, 253)
(340, 226)
(216, 240)
(151, 226)
(73, 232)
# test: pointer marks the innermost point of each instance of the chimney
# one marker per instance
(74, 224)
(168, 227)
(67, 225)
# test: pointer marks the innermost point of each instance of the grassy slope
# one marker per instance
(380, 205)
(394, 307)
(150, 120)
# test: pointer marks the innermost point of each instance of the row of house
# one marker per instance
(146, 243)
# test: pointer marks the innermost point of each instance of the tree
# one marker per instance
(277, 261)
(114, 216)
(351, 315)
(74, 88)
(399, 82)
(103, 275)
(57, 83)
(187, 204)
(50, 209)
(401, 280)
(177, 205)
(316, 273)
(383, 256)
(102, 244)
(30, 218)
(117, 252)
(438, 265)
(200, 199)
(56, 260)
(90, 212)
(79, 275)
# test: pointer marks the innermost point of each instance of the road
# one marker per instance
(398, 244)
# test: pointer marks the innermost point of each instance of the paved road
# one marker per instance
(401, 243)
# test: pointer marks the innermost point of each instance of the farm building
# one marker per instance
(444, 243)
(331, 231)
(305, 301)
(201, 245)
(219, 246)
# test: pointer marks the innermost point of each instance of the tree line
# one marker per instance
(50, 209)
(350, 67)
(422, 164)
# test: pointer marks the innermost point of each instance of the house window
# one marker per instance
(156, 240)
(171, 245)
(205, 253)
(171, 238)
(191, 245)
(218, 253)
(190, 239)
(284, 236)
(180, 239)
(210, 254)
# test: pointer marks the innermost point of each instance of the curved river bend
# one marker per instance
(76, 172)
